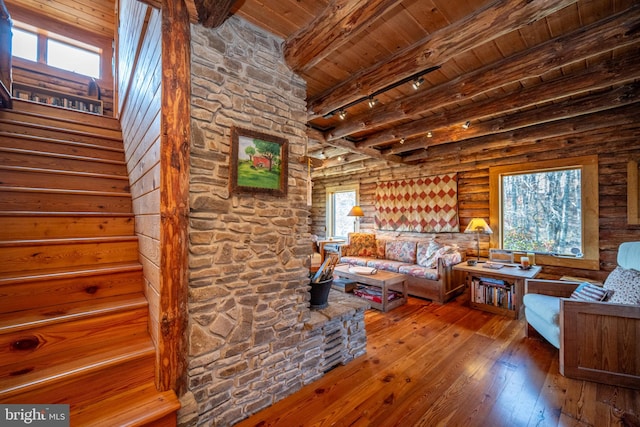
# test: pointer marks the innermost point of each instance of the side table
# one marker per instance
(498, 291)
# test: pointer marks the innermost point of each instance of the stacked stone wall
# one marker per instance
(248, 277)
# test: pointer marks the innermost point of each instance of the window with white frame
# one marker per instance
(340, 200)
(549, 208)
(36, 45)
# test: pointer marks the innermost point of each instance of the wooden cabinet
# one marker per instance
(497, 291)
(57, 98)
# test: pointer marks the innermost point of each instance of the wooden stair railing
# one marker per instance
(73, 315)
(5, 57)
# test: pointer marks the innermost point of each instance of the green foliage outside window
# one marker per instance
(542, 212)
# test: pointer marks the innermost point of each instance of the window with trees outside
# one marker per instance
(340, 200)
(548, 208)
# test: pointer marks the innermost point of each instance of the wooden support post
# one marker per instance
(174, 193)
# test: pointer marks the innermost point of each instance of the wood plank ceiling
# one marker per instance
(504, 66)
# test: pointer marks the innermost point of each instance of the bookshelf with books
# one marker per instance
(497, 291)
(495, 295)
(57, 98)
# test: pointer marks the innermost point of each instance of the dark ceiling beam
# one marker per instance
(488, 23)
(212, 13)
(336, 25)
(603, 36)
(350, 146)
(190, 4)
(600, 76)
(622, 116)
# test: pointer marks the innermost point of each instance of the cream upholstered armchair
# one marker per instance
(597, 329)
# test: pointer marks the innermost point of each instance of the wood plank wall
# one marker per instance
(140, 76)
(615, 146)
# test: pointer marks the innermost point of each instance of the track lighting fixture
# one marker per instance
(416, 80)
(466, 125)
(401, 140)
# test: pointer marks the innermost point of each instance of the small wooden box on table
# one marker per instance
(503, 299)
(385, 280)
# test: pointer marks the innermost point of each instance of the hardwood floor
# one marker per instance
(450, 365)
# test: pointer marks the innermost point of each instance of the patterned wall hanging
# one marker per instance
(422, 205)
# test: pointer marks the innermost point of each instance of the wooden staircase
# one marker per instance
(73, 315)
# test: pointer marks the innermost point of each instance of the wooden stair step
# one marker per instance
(64, 115)
(24, 128)
(25, 349)
(141, 406)
(42, 315)
(35, 255)
(59, 200)
(115, 367)
(14, 176)
(59, 118)
(26, 290)
(52, 145)
(45, 160)
(46, 274)
(31, 225)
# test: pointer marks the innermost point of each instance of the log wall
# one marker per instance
(615, 142)
(61, 81)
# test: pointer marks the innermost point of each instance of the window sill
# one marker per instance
(569, 262)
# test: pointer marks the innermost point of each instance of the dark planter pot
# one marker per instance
(320, 294)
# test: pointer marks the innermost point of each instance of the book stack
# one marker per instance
(374, 294)
(496, 292)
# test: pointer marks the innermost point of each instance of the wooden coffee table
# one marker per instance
(385, 280)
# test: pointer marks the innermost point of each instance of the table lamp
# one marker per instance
(355, 211)
(478, 226)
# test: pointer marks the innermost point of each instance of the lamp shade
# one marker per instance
(478, 225)
(355, 211)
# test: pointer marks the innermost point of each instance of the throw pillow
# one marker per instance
(589, 292)
(427, 255)
(401, 250)
(624, 286)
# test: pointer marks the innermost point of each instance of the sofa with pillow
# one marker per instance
(426, 264)
(596, 327)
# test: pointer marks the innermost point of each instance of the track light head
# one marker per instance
(429, 134)
(401, 140)
(417, 83)
(466, 125)
(342, 114)
(372, 102)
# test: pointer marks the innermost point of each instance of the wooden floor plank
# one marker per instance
(450, 365)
